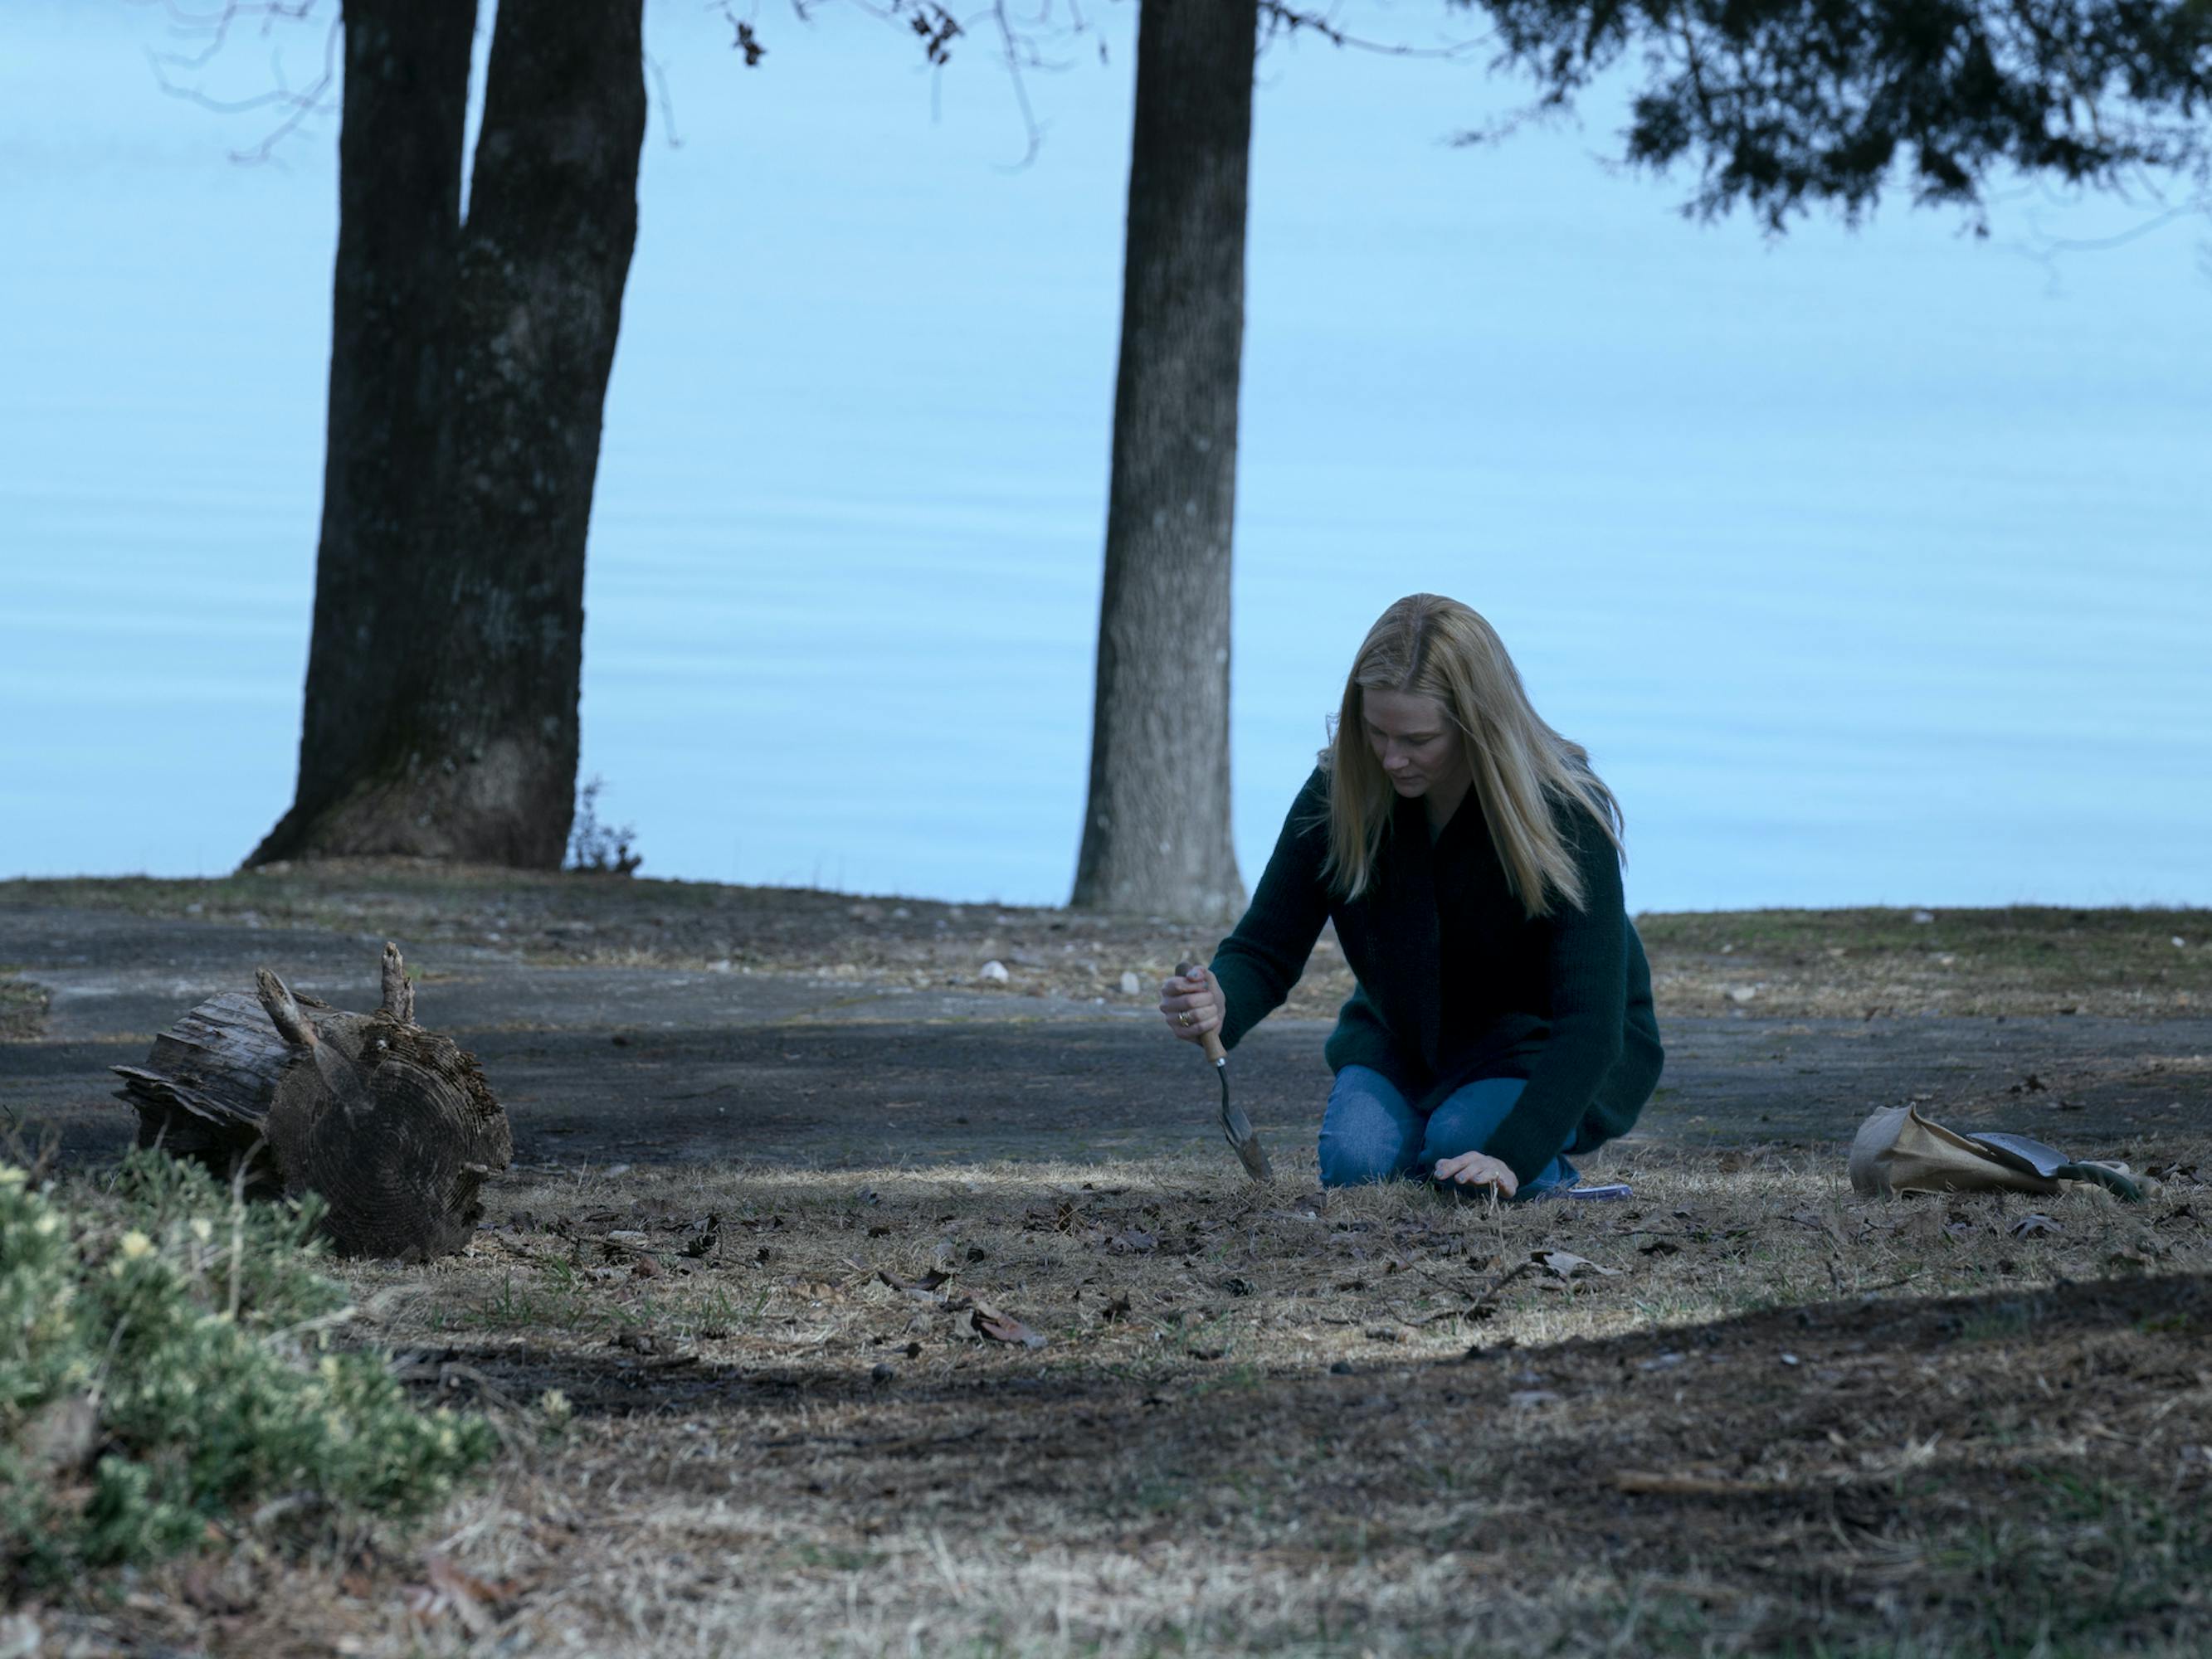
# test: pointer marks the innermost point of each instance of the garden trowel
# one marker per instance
(1236, 1128)
(1897, 1150)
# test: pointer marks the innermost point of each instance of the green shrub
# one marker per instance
(166, 1358)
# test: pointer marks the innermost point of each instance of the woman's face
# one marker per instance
(1415, 741)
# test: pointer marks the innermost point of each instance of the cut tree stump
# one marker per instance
(392, 1126)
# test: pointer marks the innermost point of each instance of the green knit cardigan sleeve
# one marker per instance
(1259, 963)
(1586, 969)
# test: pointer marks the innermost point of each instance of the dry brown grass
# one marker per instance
(2020, 960)
(22, 1009)
(1272, 1420)
(1851, 963)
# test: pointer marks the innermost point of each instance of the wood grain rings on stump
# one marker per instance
(392, 1126)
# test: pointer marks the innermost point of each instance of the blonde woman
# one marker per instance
(1471, 862)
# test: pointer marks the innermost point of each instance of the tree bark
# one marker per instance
(393, 1127)
(1156, 830)
(465, 744)
(399, 218)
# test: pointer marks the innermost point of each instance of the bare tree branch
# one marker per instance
(213, 29)
(1040, 37)
(2041, 248)
(666, 98)
(1281, 20)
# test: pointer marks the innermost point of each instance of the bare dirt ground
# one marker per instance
(842, 1302)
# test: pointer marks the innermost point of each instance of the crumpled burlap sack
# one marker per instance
(1899, 1151)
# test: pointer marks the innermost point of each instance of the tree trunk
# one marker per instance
(1156, 832)
(545, 258)
(393, 1127)
(467, 747)
(399, 218)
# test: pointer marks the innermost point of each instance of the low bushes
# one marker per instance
(165, 1363)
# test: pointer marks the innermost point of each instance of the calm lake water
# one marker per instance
(1871, 567)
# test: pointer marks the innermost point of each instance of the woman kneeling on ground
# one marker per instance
(1471, 862)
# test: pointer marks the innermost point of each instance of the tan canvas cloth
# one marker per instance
(1899, 1151)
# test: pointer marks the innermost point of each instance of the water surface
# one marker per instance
(1871, 567)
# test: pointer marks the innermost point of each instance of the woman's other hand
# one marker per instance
(1479, 1170)
(1191, 1004)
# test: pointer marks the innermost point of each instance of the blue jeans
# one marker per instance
(1370, 1132)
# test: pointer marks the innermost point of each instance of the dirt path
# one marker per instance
(604, 1063)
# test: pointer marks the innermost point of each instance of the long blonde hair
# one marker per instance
(1433, 647)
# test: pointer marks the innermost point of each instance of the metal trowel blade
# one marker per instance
(1244, 1140)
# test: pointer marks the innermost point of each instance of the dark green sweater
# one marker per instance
(1455, 983)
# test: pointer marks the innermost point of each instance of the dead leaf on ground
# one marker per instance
(1473, 1315)
(219, 1587)
(471, 1599)
(924, 1289)
(2136, 1254)
(1658, 1482)
(1565, 1264)
(2034, 1226)
(986, 1322)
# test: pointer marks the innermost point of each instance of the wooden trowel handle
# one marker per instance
(1211, 1040)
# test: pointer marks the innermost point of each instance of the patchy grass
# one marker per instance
(2022, 960)
(1756, 1415)
(22, 1010)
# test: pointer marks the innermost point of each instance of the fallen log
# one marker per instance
(392, 1126)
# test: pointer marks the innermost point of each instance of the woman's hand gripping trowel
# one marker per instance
(1236, 1128)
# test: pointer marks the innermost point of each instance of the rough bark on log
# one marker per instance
(392, 1126)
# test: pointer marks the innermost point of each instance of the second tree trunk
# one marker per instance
(1156, 830)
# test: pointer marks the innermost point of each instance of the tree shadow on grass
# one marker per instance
(1996, 1470)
